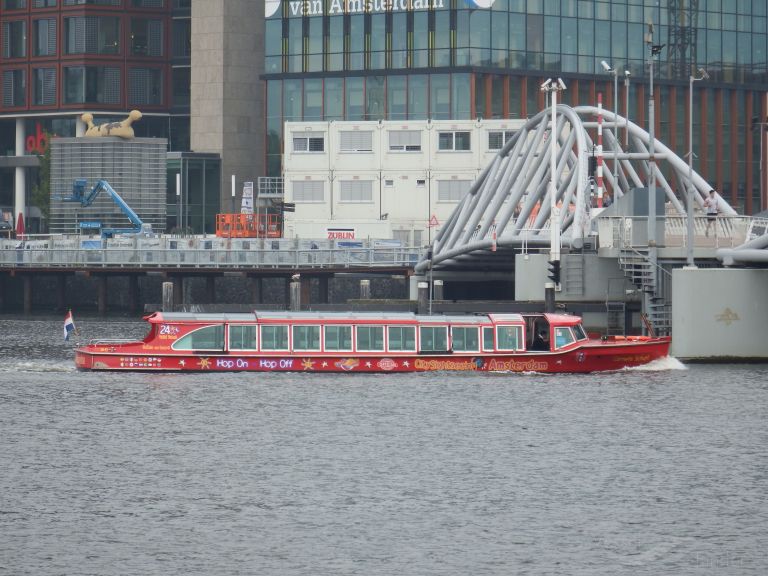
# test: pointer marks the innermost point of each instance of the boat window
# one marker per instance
(274, 337)
(579, 332)
(306, 337)
(338, 338)
(487, 338)
(242, 337)
(464, 339)
(563, 337)
(509, 337)
(370, 338)
(207, 338)
(402, 338)
(433, 338)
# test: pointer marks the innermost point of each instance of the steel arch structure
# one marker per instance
(507, 208)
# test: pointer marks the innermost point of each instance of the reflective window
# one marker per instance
(465, 339)
(509, 337)
(433, 338)
(44, 41)
(145, 86)
(274, 337)
(14, 36)
(242, 337)
(146, 37)
(338, 338)
(334, 98)
(308, 142)
(313, 99)
(418, 96)
(397, 93)
(91, 35)
(44, 86)
(487, 338)
(14, 87)
(370, 338)
(498, 138)
(563, 337)
(306, 338)
(454, 140)
(207, 338)
(440, 103)
(355, 104)
(402, 338)
(91, 84)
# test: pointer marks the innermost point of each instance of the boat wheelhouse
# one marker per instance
(368, 342)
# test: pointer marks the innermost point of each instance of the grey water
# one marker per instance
(661, 470)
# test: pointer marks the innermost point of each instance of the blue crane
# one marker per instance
(86, 199)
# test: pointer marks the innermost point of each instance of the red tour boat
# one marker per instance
(368, 342)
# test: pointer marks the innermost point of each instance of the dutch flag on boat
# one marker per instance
(69, 324)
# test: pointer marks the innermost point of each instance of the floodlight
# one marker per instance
(545, 84)
(561, 83)
(606, 66)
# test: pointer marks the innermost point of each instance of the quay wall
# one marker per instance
(81, 292)
(719, 314)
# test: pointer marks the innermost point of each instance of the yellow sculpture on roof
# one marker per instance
(122, 129)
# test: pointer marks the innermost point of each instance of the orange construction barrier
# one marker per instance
(248, 225)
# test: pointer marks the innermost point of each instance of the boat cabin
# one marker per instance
(362, 333)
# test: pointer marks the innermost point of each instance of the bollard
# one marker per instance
(423, 297)
(438, 290)
(295, 290)
(365, 289)
(167, 296)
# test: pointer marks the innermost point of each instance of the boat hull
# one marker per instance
(591, 356)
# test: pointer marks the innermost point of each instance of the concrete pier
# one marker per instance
(102, 294)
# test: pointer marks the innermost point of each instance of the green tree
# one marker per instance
(41, 191)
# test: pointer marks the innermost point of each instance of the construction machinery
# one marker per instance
(86, 198)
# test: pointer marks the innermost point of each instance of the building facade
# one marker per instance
(405, 60)
(61, 58)
(401, 180)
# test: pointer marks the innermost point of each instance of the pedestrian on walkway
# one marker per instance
(712, 206)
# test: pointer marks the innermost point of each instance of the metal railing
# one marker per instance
(632, 231)
(24, 254)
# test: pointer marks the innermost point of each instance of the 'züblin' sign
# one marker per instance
(315, 7)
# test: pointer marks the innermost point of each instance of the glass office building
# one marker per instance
(459, 59)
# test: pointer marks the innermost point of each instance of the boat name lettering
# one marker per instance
(443, 365)
(231, 363)
(315, 7)
(166, 329)
(274, 364)
(517, 365)
(632, 358)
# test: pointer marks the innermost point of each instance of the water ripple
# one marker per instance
(639, 472)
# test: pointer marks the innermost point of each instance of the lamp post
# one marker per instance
(654, 50)
(615, 75)
(627, 74)
(689, 197)
(553, 87)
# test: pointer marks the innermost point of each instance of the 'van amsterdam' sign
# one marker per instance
(315, 7)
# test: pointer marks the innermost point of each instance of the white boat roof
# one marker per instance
(336, 316)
